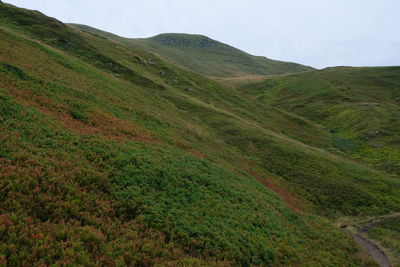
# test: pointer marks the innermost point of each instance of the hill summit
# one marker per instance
(204, 55)
(187, 40)
(213, 58)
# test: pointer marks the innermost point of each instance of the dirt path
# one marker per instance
(369, 220)
(379, 256)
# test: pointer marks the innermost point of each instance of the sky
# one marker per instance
(318, 33)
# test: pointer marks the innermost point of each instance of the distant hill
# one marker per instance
(206, 56)
(360, 107)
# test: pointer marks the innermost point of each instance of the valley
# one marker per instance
(181, 150)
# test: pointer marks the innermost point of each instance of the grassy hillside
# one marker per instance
(108, 159)
(204, 55)
(360, 107)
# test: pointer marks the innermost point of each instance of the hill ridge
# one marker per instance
(187, 39)
(205, 55)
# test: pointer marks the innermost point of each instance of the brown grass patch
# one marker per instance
(197, 154)
(99, 122)
(293, 202)
(111, 127)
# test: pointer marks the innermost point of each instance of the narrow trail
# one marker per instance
(379, 256)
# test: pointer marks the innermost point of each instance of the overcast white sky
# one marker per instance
(318, 33)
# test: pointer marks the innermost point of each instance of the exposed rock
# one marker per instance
(137, 59)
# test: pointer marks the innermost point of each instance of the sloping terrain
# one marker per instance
(112, 156)
(360, 107)
(387, 232)
(204, 55)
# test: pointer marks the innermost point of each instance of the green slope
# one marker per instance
(107, 159)
(206, 56)
(360, 107)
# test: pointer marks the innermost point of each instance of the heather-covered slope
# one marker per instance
(112, 156)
